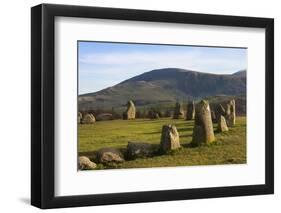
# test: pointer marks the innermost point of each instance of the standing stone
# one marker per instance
(230, 113)
(153, 115)
(219, 111)
(190, 114)
(222, 126)
(170, 138)
(130, 113)
(203, 132)
(79, 118)
(178, 112)
(214, 118)
(84, 163)
(88, 119)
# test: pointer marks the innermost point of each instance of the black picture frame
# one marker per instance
(43, 117)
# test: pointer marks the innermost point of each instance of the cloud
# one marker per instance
(195, 60)
(105, 69)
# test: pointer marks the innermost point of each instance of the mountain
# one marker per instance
(241, 73)
(165, 86)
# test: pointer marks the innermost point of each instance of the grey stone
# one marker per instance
(130, 113)
(230, 113)
(109, 155)
(79, 117)
(178, 111)
(220, 111)
(213, 115)
(153, 115)
(190, 114)
(203, 132)
(88, 119)
(139, 150)
(169, 138)
(222, 126)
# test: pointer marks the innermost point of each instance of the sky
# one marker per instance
(104, 64)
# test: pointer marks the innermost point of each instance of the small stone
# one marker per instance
(109, 155)
(85, 163)
(88, 119)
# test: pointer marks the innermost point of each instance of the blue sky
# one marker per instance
(101, 64)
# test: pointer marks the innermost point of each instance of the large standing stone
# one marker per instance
(109, 155)
(222, 126)
(190, 114)
(130, 113)
(84, 163)
(139, 150)
(170, 138)
(230, 113)
(203, 132)
(88, 119)
(178, 112)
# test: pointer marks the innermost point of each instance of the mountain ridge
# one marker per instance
(166, 85)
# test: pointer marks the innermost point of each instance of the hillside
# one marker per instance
(165, 86)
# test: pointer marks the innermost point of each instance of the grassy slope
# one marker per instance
(230, 147)
(164, 85)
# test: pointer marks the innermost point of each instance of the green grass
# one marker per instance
(229, 147)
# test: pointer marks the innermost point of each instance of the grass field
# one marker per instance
(229, 147)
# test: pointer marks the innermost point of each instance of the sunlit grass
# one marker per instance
(229, 148)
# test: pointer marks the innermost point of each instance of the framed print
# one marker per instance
(139, 106)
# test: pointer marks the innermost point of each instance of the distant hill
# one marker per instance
(166, 85)
(241, 73)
